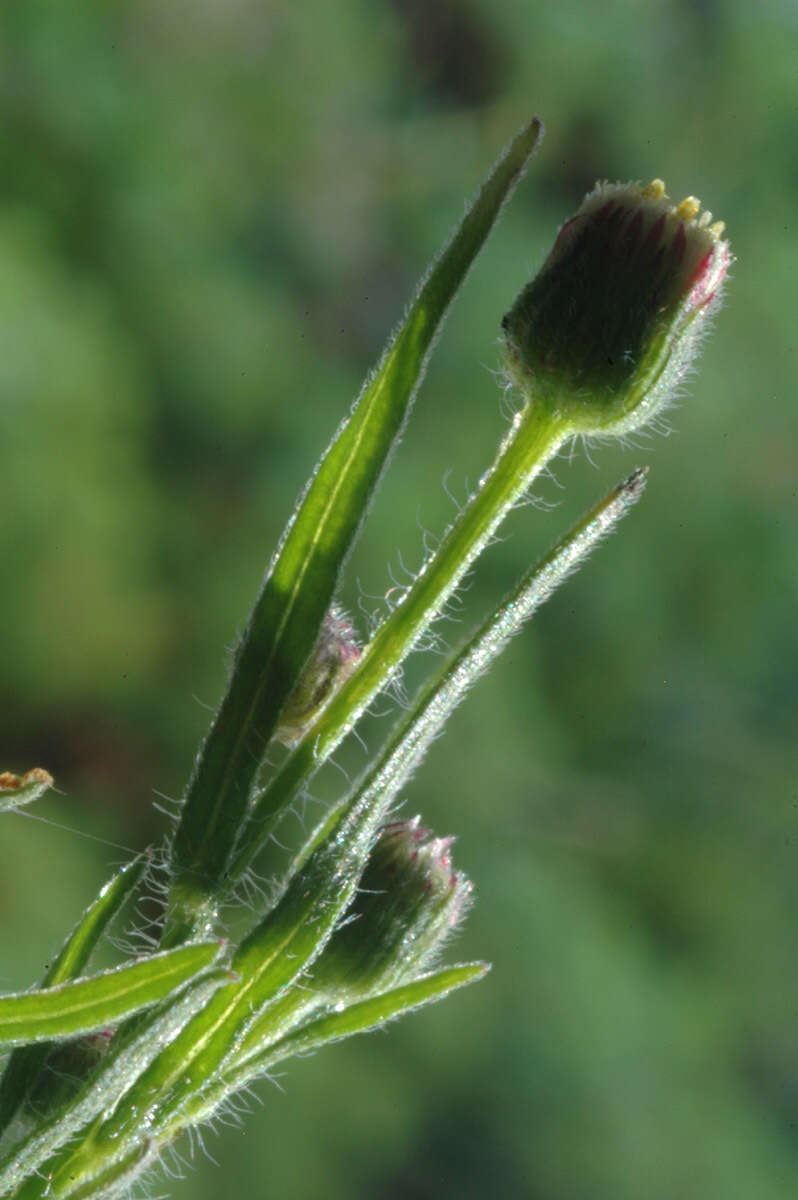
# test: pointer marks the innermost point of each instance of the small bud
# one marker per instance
(409, 900)
(18, 790)
(332, 661)
(606, 330)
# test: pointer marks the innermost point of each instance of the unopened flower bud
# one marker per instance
(333, 659)
(606, 330)
(409, 900)
(18, 790)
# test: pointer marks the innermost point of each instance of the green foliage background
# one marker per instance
(210, 217)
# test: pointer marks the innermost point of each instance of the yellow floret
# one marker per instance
(689, 208)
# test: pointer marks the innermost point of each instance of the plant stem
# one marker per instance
(534, 437)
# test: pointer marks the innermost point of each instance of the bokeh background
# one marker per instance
(211, 214)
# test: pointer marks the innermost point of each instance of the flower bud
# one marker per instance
(17, 790)
(607, 329)
(409, 900)
(333, 659)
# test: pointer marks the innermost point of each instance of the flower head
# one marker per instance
(409, 901)
(606, 330)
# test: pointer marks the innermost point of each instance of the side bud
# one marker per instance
(607, 329)
(409, 901)
(18, 790)
(333, 659)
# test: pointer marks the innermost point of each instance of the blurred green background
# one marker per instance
(211, 214)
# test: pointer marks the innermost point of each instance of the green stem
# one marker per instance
(535, 436)
(303, 575)
(436, 701)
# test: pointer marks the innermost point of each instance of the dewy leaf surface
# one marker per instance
(304, 572)
(73, 1008)
(26, 1061)
(360, 1017)
(132, 1048)
(357, 1018)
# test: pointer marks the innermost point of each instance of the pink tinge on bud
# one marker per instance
(654, 234)
(404, 844)
(334, 657)
(603, 334)
(409, 900)
(708, 276)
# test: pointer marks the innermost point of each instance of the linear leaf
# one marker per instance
(26, 1062)
(303, 575)
(357, 1018)
(437, 700)
(131, 1050)
(78, 1007)
(275, 952)
(116, 1179)
(76, 950)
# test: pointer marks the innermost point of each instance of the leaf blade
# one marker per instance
(437, 699)
(137, 1045)
(360, 1017)
(357, 1018)
(77, 1007)
(26, 1062)
(304, 573)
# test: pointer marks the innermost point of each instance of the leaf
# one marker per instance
(76, 950)
(131, 1050)
(360, 1017)
(276, 951)
(116, 1179)
(26, 1062)
(304, 572)
(78, 1007)
(438, 699)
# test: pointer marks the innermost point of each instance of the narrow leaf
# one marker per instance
(438, 699)
(76, 950)
(128, 1056)
(357, 1018)
(303, 575)
(73, 1008)
(116, 1179)
(272, 956)
(26, 1062)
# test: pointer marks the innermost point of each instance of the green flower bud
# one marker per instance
(409, 900)
(605, 332)
(333, 659)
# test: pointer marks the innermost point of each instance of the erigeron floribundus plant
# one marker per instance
(593, 345)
